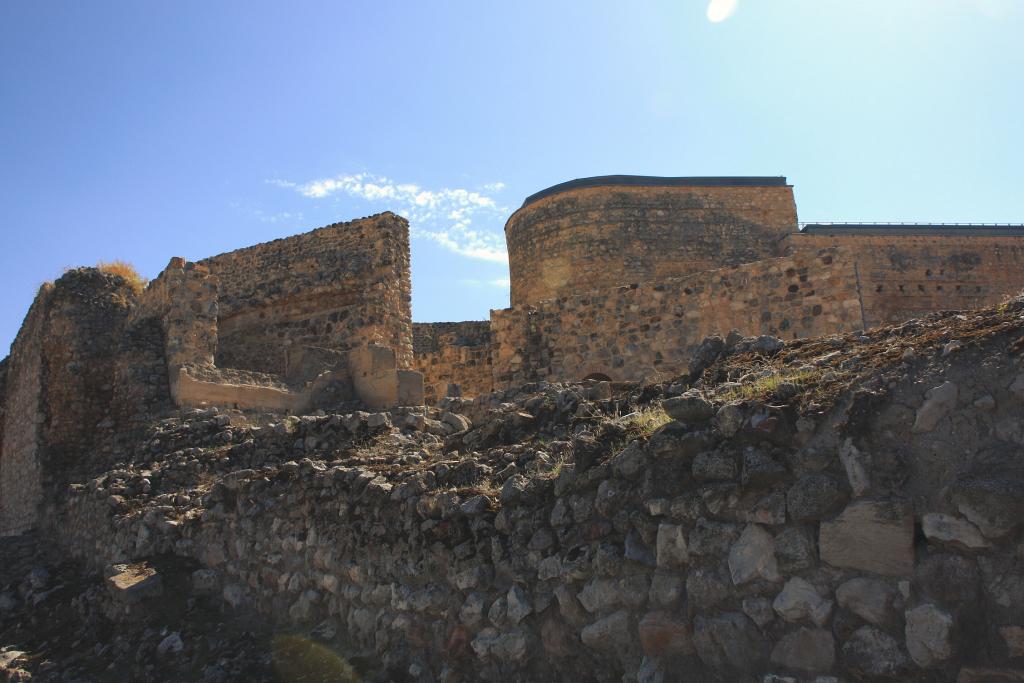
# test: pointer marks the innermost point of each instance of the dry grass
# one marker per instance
(126, 271)
(647, 421)
(765, 386)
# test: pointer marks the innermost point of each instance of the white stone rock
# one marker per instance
(873, 600)
(752, 556)
(856, 464)
(929, 634)
(938, 403)
(800, 601)
(947, 529)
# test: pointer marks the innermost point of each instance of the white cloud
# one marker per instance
(720, 10)
(443, 216)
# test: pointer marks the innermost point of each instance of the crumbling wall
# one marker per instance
(83, 338)
(68, 393)
(20, 470)
(453, 354)
(590, 238)
(184, 298)
(650, 330)
(339, 287)
(738, 542)
(907, 276)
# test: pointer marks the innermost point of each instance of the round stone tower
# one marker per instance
(595, 233)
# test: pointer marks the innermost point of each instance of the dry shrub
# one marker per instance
(126, 271)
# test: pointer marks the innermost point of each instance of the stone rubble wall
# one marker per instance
(20, 472)
(340, 287)
(906, 276)
(453, 353)
(649, 330)
(599, 237)
(735, 545)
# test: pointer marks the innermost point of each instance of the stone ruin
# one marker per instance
(860, 522)
(614, 277)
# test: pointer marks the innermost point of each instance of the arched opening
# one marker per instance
(598, 377)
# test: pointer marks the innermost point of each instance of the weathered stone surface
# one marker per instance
(874, 536)
(730, 419)
(729, 642)
(929, 633)
(953, 531)
(814, 497)
(509, 646)
(873, 600)
(857, 465)
(800, 601)
(984, 674)
(951, 580)
(690, 407)
(665, 589)
(994, 504)
(807, 650)
(871, 652)
(759, 610)
(707, 587)
(662, 634)
(135, 582)
(671, 546)
(794, 549)
(611, 632)
(939, 401)
(1013, 637)
(760, 470)
(714, 466)
(753, 556)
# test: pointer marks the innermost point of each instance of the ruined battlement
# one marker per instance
(612, 277)
(601, 232)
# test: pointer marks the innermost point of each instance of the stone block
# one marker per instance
(374, 376)
(873, 536)
(410, 388)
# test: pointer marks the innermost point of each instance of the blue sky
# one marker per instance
(144, 130)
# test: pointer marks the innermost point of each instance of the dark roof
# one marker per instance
(657, 181)
(891, 229)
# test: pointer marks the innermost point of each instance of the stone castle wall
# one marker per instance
(453, 354)
(63, 376)
(649, 330)
(907, 276)
(341, 286)
(20, 472)
(589, 238)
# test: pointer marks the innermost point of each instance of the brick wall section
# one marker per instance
(907, 276)
(341, 286)
(650, 330)
(20, 472)
(599, 237)
(453, 353)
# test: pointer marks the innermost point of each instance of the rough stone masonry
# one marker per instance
(770, 475)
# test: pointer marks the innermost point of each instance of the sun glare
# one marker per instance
(720, 10)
